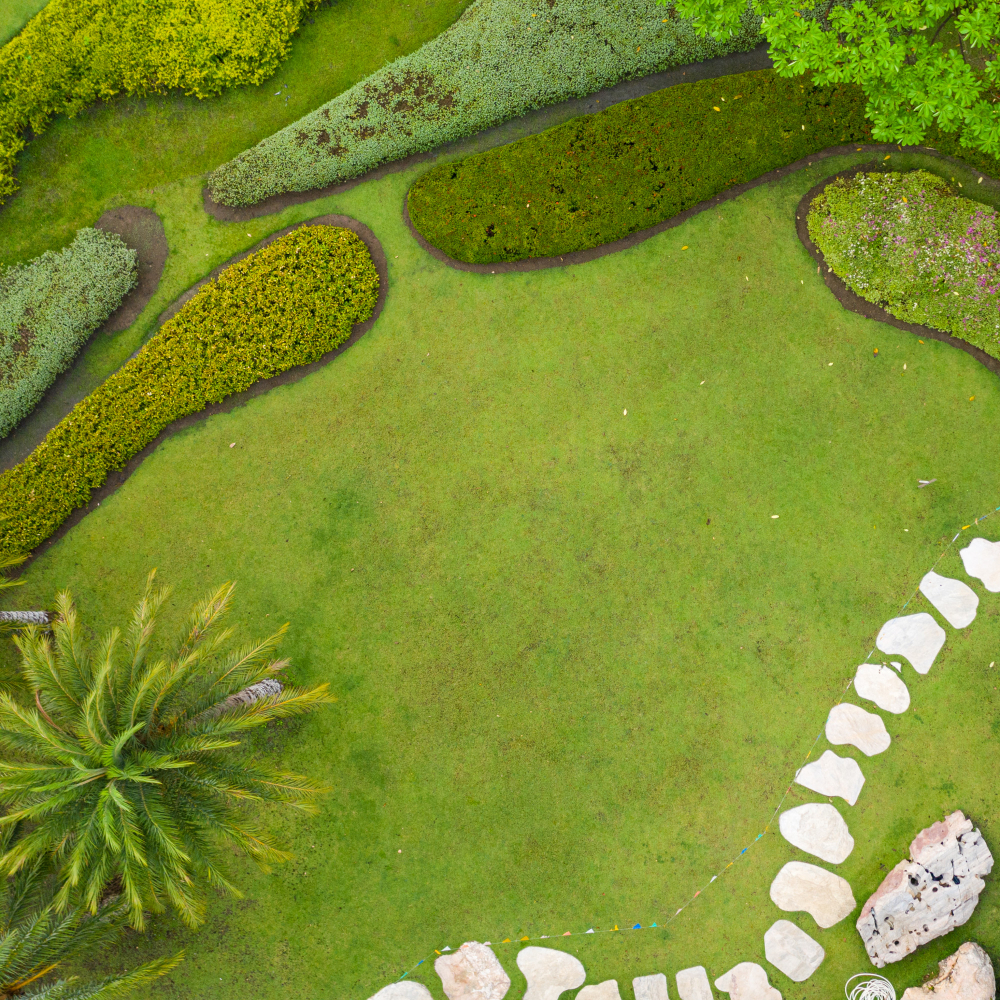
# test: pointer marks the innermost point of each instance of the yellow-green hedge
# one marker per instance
(74, 52)
(284, 306)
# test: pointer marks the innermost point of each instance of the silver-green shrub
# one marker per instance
(49, 307)
(501, 59)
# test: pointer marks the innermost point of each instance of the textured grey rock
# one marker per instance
(956, 601)
(790, 950)
(864, 730)
(883, 686)
(549, 972)
(692, 984)
(651, 987)
(472, 973)
(917, 637)
(819, 829)
(608, 990)
(966, 975)
(982, 560)
(826, 897)
(832, 775)
(933, 892)
(406, 990)
(747, 981)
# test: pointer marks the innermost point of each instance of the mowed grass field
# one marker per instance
(577, 660)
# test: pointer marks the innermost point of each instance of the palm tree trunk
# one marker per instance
(262, 689)
(24, 617)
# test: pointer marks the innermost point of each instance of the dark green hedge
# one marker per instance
(600, 177)
(284, 306)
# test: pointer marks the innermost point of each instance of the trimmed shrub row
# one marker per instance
(499, 60)
(49, 307)
(74, 52)
(284, 306)
(910, 244)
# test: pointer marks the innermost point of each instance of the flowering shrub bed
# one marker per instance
(49, 307)
(284, 306)
(909, 243)
(499, 60)
(74, 52)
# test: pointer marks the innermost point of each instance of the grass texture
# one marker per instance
(15, 14)
(577, 661)
(499, 60)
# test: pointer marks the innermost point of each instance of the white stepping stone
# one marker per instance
(652, 987)
(917, 637)
(792, 951)
(608, 990)
(956, 601)
(406, 990)
(883, 686)
(472, 973)
(692, 984)
(549, 972)
(747, 981)
(826, 897)
(982, 561)
(864, 730)
(833, 775)
(819, 829)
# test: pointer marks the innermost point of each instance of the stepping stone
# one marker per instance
(608, 990)
(652, 987)
(549, 972)
(883, 686)
(472, 973)
(956, 601)
(917, 637)
(407, 990)
(833, 775)
(819, 829)
(864, 730)
(792, 951)
(747, 981)
(982, 561)
(826, 897)
(692, 984)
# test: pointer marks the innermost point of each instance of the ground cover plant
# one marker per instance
(49, 307)
(531, 605)
(286, 305)
(911, 243)
(499, 60)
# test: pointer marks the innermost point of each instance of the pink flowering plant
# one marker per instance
(909, 243)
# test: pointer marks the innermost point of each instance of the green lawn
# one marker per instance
(15, 14)
(577, 660)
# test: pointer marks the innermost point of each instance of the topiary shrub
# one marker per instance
(286, 305)
(909, 243)
(75, 52)
(499, 60)
(49, 307)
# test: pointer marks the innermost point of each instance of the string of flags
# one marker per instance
(642, 927)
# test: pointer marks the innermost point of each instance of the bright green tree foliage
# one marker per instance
(918, 63)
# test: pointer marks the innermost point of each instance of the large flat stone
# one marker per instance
(549, 972)
(651, 987)
(472, 973)
(790, 950)
(833, 775)
(692, 984)
(747, 981)
(966, 975)
(406, 990)
(883, 686)
(917, 637)
(826, 897)
(608, 990)
(956, 601)
(982, 561)
(819, 829)
(864, 730)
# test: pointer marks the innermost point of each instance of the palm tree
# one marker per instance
(17, 619)
(127, 769)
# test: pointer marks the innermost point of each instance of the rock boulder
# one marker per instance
(966, 975)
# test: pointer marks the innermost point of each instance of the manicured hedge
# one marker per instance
(911, 244)
(74, 52)
(284, 306)
(499, 60)
(49, 307)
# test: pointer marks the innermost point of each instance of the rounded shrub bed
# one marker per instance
(49, 307)
(286, 305)
(910, 244)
